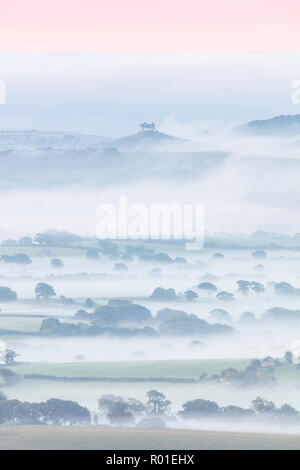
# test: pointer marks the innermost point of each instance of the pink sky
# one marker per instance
(150, 26)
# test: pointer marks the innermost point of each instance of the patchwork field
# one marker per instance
(88, 392)
(169, 368)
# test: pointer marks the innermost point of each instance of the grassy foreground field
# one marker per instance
(96, 438)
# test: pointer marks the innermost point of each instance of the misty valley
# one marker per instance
(149, 228)
(148, 334)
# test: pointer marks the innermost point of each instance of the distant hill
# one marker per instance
(284, 124)
(51, 139)
(146, 140)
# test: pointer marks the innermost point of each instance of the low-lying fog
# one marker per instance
(241, 193)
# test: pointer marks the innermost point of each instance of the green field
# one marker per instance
(88, 392)
(167, 368)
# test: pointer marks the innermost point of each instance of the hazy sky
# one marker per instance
(153, 26)
(110, 94)
(104, 66)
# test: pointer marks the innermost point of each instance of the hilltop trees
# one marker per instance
(190, 295)
(225, 296)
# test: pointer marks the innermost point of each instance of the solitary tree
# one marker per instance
(157, 403)
(207, 287)
(225, 296)
(190, 295)
(57, 263)
(9, 356)
(44, 291)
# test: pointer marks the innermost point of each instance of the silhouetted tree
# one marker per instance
(190, 295)
(157, 403)
(199, 408)
(119, 413)
(44, 291)
(57, 263)
(6, 294)
(207, 287)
